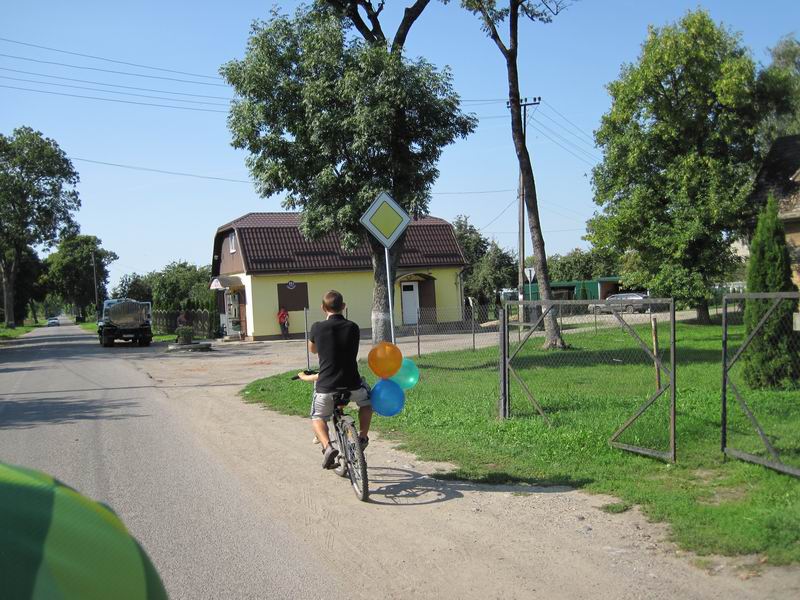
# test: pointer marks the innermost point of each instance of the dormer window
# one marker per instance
(232, 241)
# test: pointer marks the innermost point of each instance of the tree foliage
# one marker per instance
(496, 270)
(771, 360)
(580, 264)
(71, 270)
(331, 121)
(179, 283)
(783, 73)
(679, 153)
(135, 286)
(37, 199)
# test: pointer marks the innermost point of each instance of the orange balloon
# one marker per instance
(385, 359)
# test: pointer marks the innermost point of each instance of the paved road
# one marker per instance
(88, 416)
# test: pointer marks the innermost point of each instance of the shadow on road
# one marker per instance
(405, 487)
(30, 413)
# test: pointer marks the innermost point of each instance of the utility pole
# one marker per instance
(96, 298)
(524, 103)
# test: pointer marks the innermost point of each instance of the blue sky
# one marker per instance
(150, 219)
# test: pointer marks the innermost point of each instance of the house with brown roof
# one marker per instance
(262, 262)
(780, 176)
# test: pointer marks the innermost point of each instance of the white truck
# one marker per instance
(125, 319)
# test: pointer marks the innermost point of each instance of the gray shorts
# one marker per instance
(322, 404)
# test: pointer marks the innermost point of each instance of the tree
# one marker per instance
(71, 270)
(332, 121)
(135, 286)
(176, 283)
(580, 264)
(474, 246)
(497, 269)
(679, 154)
(37, 199)
(783, 73)
(492, 17)
(771, 359)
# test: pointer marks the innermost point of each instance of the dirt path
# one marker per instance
(424, 538)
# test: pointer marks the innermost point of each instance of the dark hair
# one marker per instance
(333, 302)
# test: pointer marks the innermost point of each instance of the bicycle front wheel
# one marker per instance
(356, 463)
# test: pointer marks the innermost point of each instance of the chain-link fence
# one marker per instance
(204, 323)
(761, 379)
(593, 365)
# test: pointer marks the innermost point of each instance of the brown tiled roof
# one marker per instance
(272, 243)
(778, 175)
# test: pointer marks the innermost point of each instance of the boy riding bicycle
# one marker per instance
(336, 342)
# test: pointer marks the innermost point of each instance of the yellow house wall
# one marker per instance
(355, 286)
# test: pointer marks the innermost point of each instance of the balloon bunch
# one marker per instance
(397, 374)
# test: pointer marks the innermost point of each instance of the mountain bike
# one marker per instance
(351, 461)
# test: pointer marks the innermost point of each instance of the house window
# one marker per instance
(232, 241)
(293, 297)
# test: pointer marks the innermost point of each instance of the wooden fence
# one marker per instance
(204, 323)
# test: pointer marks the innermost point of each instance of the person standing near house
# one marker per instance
(283, 321)
(336, 342)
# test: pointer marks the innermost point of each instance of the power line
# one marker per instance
(543, 231)
(580, 139)
(83, 87)
(50, 62)
(557, 143)
(162, 171)
(553, 108)
(116, 85)
(500, 214)
(211, 110)
(470, 192)
(568, 142)
(111, 60)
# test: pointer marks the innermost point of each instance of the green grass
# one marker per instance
(713, 506)
(166, 337)
(7, 334)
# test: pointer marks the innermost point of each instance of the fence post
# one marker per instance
(472, 312)
(419, 317)
(308, 354)
(503, 366)
(724, 417)
(673, 392)
(594, 310)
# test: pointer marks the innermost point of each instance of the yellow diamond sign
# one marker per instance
(385, 219)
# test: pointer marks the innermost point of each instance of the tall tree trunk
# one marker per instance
(703, 316)
(381, 324)
(552, 332)
(32, 303)
(8, 272)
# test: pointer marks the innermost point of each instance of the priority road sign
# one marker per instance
(385, 219)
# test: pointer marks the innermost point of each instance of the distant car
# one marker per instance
(53, 322)
(627, 303)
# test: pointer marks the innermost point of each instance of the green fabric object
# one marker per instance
(771, 359)
(57, 544)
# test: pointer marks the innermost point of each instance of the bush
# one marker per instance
(185, 334)
(769, 360)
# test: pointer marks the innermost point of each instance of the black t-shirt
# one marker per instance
(337, 346)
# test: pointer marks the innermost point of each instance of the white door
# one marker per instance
(410, 300)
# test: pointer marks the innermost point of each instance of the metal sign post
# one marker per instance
(386, 221)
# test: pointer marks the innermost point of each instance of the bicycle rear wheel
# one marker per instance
(341, 465)
(356, 463)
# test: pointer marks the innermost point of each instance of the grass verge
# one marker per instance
(713, 506)
(7, 334)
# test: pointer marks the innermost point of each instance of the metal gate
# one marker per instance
(601, 336)
(762, 371)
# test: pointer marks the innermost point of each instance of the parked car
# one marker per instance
(53, 322)
(628, 303)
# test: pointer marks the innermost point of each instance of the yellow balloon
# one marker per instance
(385, 359)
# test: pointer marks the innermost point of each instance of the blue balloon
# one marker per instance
(387, 398)
(408, 375)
